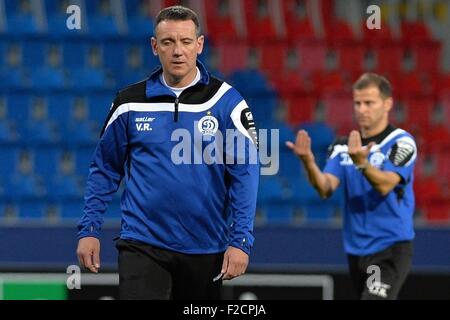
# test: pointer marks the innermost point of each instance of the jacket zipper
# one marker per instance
(176, 110)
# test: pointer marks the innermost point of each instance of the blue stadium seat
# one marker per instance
(53, 6)
(6, 133)
(319, 212)
(33, 53)
(8, 160)
(43, 132)
(2, 50)
(46, 161)
(2, 208)
(83, 159)
(11, 79)
(150, 60)
(73, 132)
(18, 107)
(250, 82)
(87, 79)
(72, 209)
(279, 214)
(290, 165)
(57, 16)
(302, 191)
(22, 24)
(32, 209)
(60, 107)
(129, 77)
(271, 189)
(57, 25)
(100, 24)
(64, 188)
(114, 55)
(83, 134)
(140, 27)
(74, 54)
(47, 78)
(99, 106)
(23, 187)
(132, 7)
(140, 24)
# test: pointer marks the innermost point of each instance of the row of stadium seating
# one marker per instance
(56, 87)
(260, 20)
(61, 62)
(53, 118)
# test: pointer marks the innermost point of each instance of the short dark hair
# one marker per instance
(178, 13)
(376, 80)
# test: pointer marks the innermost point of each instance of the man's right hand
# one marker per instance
(88, 253)
(302, 147)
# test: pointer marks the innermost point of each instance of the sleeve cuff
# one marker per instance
(245, 243)
(88, 231)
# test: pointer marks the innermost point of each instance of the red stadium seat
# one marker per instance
(339, 111)
(415, 32)
(405, 85)
(438, 212)
(443, 164)
(312, 55)
(169, 3)
(327, 81)
(419, 167)
(436, 138)
(427, 56)
(287, 83)
(427, 190)
(445, 102)
(439, 84)
(418, 110)
(259, 21)
(377, 37)
(273, 58)
(300, 109)
(351, 57)
(389, 58)
(219, 20)
(298, 24)
(338, 32)
(232, 56)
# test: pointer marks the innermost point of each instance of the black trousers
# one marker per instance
(150, 273)
(380, 276)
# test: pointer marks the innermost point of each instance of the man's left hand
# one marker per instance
(235, 262)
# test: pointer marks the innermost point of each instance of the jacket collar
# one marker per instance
(154, 87)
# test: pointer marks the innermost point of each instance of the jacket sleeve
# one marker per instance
(242, 166)
(106, 170)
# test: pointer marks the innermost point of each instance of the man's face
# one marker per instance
(177, 46)
(371, 109)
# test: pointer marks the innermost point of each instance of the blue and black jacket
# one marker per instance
(188, 188)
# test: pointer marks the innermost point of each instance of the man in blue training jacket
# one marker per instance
(375, 166)
(185, 144)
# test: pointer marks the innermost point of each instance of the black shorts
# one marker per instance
(381, 275)
(147, 272)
